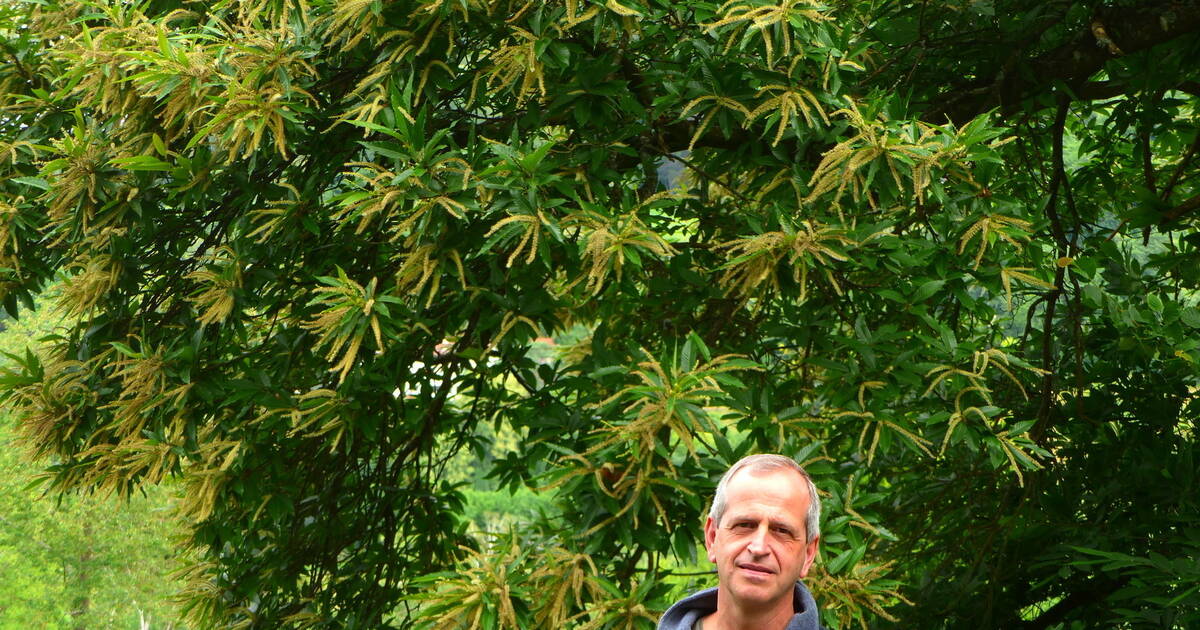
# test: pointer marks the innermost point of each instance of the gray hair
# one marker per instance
(764, 463)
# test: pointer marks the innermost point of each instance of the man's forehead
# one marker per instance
(770, 490)
(745, 475)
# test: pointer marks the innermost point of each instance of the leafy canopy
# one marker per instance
(942, 252)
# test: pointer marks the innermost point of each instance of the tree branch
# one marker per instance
(1093, 592)
(1182, 209)
(1111, 32)
(1058, 181)
(1180, 168)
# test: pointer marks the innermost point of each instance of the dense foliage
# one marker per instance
(942, 251)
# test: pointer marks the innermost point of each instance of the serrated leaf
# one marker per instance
(927, 289)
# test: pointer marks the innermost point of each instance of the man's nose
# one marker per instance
(758, 543)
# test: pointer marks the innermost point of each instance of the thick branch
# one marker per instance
(1110, 33)
(1103, 90)
(1093, 592)
(1189, 206)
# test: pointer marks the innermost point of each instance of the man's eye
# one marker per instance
(743, 525)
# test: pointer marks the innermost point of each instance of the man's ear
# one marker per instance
(810, 553)
(710, 537)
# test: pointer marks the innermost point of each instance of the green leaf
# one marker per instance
(1190, 316)
(927, 289)
(125, 350)
(142, 163)
(35, 182)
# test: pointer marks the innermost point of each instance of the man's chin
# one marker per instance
(757, 591)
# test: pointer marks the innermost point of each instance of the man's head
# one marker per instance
(763, 463)
(762, 533)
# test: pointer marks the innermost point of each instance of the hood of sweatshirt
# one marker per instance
(685, 612)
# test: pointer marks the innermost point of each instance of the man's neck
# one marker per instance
(731, 620)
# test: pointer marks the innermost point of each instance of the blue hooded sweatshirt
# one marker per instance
(685, 612)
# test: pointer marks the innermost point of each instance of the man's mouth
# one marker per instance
(755, 568)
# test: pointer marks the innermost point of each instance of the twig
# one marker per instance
(1180, 168)
(1057, 182)
(1059, 175)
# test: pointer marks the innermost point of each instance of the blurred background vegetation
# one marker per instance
(77, 560)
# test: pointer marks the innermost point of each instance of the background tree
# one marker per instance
(77, 562)
(942, 252)
(81, 562)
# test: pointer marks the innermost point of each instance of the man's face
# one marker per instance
(759, 546)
